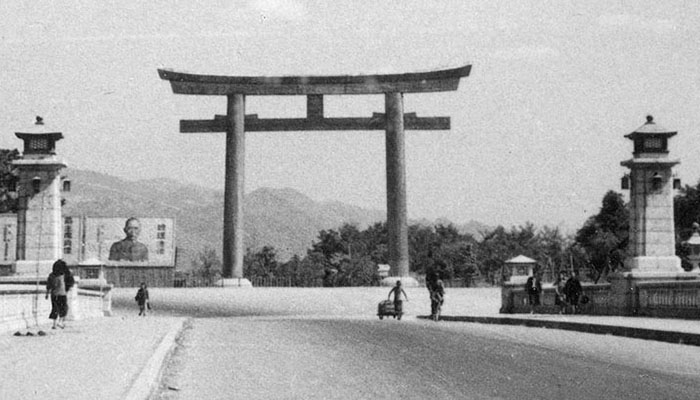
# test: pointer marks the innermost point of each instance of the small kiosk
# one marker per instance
(519, 269)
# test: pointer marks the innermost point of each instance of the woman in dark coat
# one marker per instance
(58, 284)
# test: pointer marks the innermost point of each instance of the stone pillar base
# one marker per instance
(74, 312)
(233, 282)
(406, 281)
(657, 269)
(645, 276)
(654, 264)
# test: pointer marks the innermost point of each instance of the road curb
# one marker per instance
(692, 339)
(147, 379)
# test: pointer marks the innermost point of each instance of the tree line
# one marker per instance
(349, 256)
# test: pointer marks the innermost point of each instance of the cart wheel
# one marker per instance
(381, 317)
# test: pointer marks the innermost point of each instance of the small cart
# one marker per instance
(386, 308)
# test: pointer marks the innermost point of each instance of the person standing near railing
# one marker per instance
(58, 283)
(533, 287)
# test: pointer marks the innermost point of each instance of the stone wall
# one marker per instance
(621, 296)
(23, 306)
(129, 275)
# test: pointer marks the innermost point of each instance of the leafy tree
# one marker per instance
(207, 265)
(422, 241)
(604, 236)
(686, 207)
(8, 181)
(357, 272)
(447, 234)
(547, 246)
(377, 240)
(497, 246)
(303, 272)
(458, 257)
(330, 244)
(262, 263)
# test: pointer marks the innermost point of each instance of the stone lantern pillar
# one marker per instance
(39, 236)
(652, 247)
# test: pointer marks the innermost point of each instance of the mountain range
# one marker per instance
(283, 218)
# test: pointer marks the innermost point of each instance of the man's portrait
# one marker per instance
(129, 248)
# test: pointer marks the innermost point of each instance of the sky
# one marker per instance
(537, 129)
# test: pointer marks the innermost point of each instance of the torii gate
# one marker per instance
(235, 123)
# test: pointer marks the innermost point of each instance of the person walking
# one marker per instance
(58, 284)
(533, 286)
(142, 299)
(559, 284)
(437, 298)
(431, 279)
(399, 296)
(573, 291)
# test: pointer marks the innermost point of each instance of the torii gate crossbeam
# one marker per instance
(394, 121)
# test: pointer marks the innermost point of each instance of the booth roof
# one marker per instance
(521, 259)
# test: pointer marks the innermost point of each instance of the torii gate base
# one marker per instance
(406, 281)
(394, 122)
(234, 282)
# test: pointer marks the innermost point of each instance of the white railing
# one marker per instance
(25, 306)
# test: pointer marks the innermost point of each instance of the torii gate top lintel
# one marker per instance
(432, 81)
(314, 87)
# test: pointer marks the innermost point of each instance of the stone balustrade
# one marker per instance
(24, 306)
(664, 299)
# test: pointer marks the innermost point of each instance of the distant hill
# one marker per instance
(283, 218)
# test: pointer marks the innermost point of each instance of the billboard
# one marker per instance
(119, 240)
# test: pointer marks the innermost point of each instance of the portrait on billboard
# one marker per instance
(129, 248)
(127, 240)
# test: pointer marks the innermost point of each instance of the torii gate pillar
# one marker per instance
(233, 251)
(396, 218)
(394, 122)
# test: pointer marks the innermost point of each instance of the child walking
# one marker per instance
(142, 299)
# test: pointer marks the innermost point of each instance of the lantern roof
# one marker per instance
(521, 259)
(39, 129)
(651, 128)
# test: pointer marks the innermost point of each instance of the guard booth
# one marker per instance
(518, 269)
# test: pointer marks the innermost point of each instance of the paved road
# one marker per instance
(348, 358)
(327, 344)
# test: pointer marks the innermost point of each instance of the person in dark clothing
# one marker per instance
(142, 299)
(573, 291)
(399, 296)
(560, 299)
(533, 287)
(437, 298)
(58, 284)
(431, 280)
